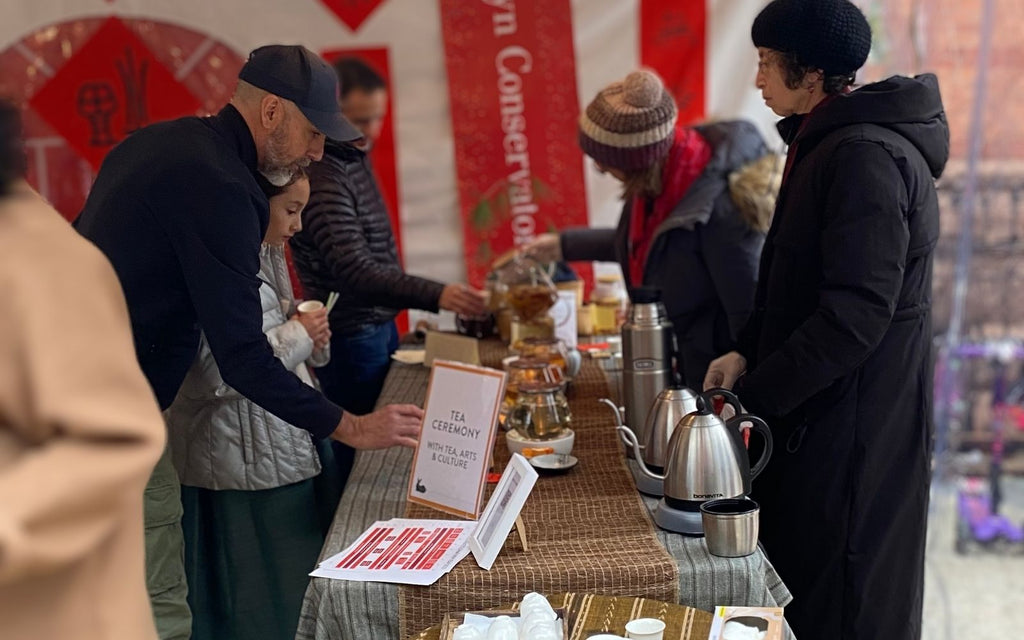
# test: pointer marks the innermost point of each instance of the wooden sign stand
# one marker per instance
(521, 530)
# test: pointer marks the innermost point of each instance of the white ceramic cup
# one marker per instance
(645, 629)
(309, 306)
(467, 632)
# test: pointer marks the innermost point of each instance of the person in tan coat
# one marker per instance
(80, 429)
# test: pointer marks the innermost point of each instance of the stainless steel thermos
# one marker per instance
(648, 345)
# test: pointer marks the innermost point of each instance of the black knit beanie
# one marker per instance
(831, 35)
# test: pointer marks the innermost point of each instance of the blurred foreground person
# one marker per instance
(80, 429)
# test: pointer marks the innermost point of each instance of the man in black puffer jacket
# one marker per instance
(347, 246)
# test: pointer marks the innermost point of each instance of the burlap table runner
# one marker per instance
(590, 614)
(587, 530)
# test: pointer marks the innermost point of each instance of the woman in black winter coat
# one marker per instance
(837, 353)
(682, 229)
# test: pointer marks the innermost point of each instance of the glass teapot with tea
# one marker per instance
(524, 286)
(540, 412)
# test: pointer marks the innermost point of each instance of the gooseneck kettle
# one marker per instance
(668, 409)
(707, 458)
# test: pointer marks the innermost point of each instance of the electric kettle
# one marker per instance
(707, 458)
(668, 409)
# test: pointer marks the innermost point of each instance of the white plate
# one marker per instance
(409, 356)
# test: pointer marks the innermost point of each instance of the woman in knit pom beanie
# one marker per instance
(680, 231)
(837, 355)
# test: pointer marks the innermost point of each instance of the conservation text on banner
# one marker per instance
(512, 84)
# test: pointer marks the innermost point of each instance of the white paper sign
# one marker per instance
(563, 313)
(746, 623)
(502, 509)
(461, 417)
(400, 551)
(405, 551)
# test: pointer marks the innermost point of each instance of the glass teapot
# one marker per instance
(552, 350)
(540, 412)
(522, 283)
(524, 371)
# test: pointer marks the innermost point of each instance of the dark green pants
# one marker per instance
(248, 555)
(165, 568)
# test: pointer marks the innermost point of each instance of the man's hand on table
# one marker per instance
(395, 424)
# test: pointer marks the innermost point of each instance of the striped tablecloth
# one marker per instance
(335, 609)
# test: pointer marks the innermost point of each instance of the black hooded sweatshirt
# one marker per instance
(839, 364)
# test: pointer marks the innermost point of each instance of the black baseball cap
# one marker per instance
(295, 73)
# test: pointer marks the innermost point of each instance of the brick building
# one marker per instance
(944, 36)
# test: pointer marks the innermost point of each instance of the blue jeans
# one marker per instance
(355, 375)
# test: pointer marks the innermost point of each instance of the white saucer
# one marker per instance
(516, 443)
(554, 462)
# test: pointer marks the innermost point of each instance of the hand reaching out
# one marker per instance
(395, 424)
(725, 370)
(463, 300)
(547, 247)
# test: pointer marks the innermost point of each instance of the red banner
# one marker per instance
(673, 42)
(512, 87)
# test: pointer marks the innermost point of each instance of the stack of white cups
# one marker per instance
(538, 621)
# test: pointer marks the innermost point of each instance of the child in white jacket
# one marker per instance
(253, 502)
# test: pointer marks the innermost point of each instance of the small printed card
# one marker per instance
(503, 508)
(563, 313)
(440, 345)
(459, 426)
(747, 623)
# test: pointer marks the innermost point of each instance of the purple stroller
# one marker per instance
(978, 520)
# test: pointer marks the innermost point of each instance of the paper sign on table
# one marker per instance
(506, 502)
(563, 313)
(747, 623)
(419, 552)
(402, 551)
(454, 449)
(440, 345)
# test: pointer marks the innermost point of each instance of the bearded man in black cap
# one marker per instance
(836, 356)
(178, 211)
